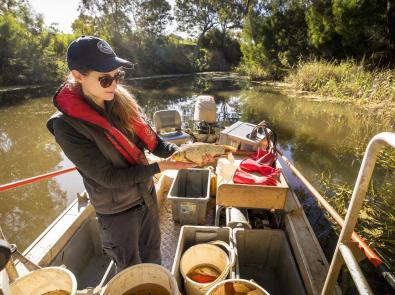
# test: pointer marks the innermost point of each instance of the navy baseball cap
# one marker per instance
(93, 53)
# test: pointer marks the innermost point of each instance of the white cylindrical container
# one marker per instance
(142, 277)
(45, 280)
(236, 286)
(208, 255)
(205, 109)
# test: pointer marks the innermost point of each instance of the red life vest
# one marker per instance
(69, 101)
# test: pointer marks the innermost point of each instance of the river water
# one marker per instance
(325, 141)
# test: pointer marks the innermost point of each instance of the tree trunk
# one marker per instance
(196, 51)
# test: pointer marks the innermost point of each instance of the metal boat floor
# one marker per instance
(92, 274)
(170, 230)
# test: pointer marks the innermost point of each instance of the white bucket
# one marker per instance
(205, 109)
(45, 280)
(239, 286)
(138, 275)
(207, 255)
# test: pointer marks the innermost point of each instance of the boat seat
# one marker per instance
(168, 126)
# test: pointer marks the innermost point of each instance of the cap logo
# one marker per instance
(104, 47)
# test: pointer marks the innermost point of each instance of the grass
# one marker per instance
(346, 80)
(253, 71)
(376, 223)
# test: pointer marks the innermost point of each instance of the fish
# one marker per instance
(193, 153)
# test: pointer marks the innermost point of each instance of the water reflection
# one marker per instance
(26, 211)
(326, 142)
(5, 142)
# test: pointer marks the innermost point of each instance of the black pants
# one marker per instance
(131, 237)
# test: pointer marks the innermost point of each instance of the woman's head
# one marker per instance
(95, 66)
(97, 85)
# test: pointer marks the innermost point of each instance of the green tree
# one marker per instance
(153, 17)
(349, 28)
(86, 25)
(30, 52)
(362, 25)
(223, 47)
(112, 18)
(274, 36)
(197, 17)
(321, 29)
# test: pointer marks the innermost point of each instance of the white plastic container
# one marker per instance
(265, 256)
(205, 109)
(238, 285)
(189, 195)
(205, 255)
(45, 280)
(193, 235)
(141, 274)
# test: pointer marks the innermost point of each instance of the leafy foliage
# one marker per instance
(30, 53)
(269, 37)
(274, 36)
(278, 33)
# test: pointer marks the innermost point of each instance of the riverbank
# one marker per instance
(343, 82)
(13, 94)
(385, 108)
(348, 81)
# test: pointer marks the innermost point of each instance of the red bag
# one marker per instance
(265, 157)
(251, 165)
(243, 177)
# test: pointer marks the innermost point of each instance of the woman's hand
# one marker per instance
(176, 165)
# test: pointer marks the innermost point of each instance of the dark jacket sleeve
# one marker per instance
(164, 149)
(93, 164)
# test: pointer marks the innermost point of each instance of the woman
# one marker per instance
(100, 129)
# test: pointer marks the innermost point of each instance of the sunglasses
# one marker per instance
(106, 81)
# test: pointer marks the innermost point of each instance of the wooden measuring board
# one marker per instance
(252, 196)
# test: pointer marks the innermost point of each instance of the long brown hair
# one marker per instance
(125, 108)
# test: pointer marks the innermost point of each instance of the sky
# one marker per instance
(64, 12)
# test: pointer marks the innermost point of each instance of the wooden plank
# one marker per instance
(251, 196)
(310, 258)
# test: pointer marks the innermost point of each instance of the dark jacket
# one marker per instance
(112, 183)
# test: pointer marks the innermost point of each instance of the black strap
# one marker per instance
(265, 128)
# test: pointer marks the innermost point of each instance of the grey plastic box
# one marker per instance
(236, 135)
(189, 195)
(265, 256)
(192, 235)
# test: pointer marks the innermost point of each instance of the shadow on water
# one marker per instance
(324, 140)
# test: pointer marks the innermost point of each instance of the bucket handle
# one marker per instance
(230, 264)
